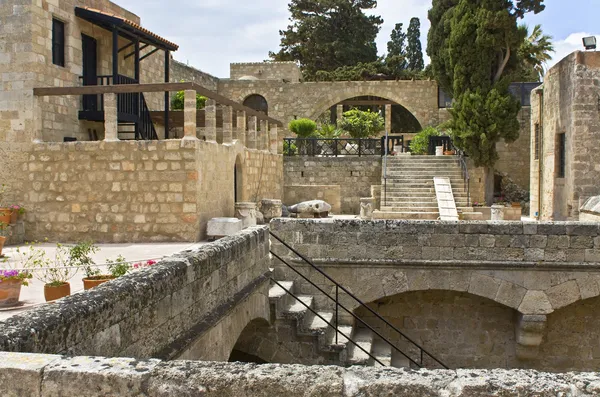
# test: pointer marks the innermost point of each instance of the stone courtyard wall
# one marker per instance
(179, 71)
(353, 175)
(288, 71)
(50, 375)
(510, 280)
(139, 191)
(158, 311)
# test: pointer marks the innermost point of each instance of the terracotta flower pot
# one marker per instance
(14, 217)
(9, 293)
(52, 293)
(5, 215)
(91, 282)
(2, 241)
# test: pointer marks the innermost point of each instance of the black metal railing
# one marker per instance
(145, 127)
(435, 141)
(341, 147)
(422, 353)
(462, 161)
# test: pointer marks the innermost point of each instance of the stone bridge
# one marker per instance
(488, 294)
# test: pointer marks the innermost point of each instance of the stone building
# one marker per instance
(565, 118)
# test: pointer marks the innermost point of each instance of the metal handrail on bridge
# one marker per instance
(338, 305)
(341, 147)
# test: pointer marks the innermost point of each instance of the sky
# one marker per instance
(214, 33)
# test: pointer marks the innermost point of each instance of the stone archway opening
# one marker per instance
(257, 102)
(253, 344)
(460, 329)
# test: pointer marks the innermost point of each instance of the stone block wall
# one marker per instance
(139, 191)
(331, 194)
(354, 175)
(181, 72)
(514, 157)
(288, 71)
(155, 312)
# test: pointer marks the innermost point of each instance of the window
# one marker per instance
(536, 137)
(562, 146)
(58, 42)
(258, 103)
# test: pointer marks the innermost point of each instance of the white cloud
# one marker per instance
(566, 46)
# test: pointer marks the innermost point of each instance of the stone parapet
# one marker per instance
(156, 312)
(48, 375)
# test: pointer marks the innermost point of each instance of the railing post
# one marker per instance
(189, 115)
(241, 127)
(251, 137)
(335, 147)
(337, 300)
(273, 138)
(227, 124)
(359, 147)
(210, 130)
(111, 130)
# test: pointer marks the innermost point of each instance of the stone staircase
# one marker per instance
(411, 190)
(285, 307)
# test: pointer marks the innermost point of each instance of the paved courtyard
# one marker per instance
(33, 295)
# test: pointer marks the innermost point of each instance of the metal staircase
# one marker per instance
(356, 344)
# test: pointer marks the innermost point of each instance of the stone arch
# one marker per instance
(249, 344)
(339, 94)
(257, 102)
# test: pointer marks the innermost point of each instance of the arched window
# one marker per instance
(258, 103)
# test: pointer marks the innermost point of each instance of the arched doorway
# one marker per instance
(253, 343)
(257, 102)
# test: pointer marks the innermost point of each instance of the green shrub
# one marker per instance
(304, 128)
(420, 143)
(289, 148)
(179, 99)
(361, 124)
(118, 267)
(329, 131)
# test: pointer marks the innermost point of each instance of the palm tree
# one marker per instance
(535, 51)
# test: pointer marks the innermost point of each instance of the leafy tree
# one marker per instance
(329, 131)
(420, 142)
(534, 52)
(414, 53)
(396, 47)
(328, 34)
(178, 101)
(362, 124)
(473, 45)
(304, 128)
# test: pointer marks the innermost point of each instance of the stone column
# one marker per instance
(241, 127)
(189, 115)
(38, 125)
(273, 137)
(388, 118)
(111, 130)
(247, 213)
(251, 137)
(210, 130)
(529, 334)
(271, 209)
(263, 137)
(340, 113)
(366, 208)
(227, 124)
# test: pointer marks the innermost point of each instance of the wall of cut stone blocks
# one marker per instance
(179, 71)
(156, 312)
(570, 96)
(354, 176)
(132, 191)
(288, 71)
(514, 157)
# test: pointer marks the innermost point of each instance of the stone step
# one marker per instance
(364, 339)
(382, 351)
(416, 204)
(406, 215)
(399, 360)
(418, 194)
(328, 343)
(409, 209)
(279, 297)
(296, 310)
(313, 325)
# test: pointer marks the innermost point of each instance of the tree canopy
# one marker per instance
(414, 52)
(534, 53)
(328, 34)
(473, 46)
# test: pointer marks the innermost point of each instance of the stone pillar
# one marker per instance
(376, 194)
(497, 212)
(273, 137)
(340, 113)
(388, 118)
(251, 136)
(247, 213)
(529, 334)
(38, 125)
(189, 115)
(210, 130)
(366, 208)
(263, 137)
(111, 130)
(241, 127)
(271, 209)
(227, 124)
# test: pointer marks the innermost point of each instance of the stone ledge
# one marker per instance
(98, 376)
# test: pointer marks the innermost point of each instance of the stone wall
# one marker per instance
(48, 375)
(569, 105)
(158, 311)
(514, 157)
(181, 72)
(354, 175)
(288, 71)
(140, 191)
(506, 275)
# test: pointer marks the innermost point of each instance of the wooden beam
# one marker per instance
(153, 87)
(126, 46)
(133, 52)
(150, 53)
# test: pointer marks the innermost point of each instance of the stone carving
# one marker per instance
(498, 212)
(247, 213)
(220, 227)
(311, 208)
(271, 209)
(366, 208)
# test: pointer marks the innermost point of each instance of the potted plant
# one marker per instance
(80, 257)
(17, 212)
(18, 274)
(2, 238)
(119, 267)
(55, 275)
(5, 212)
